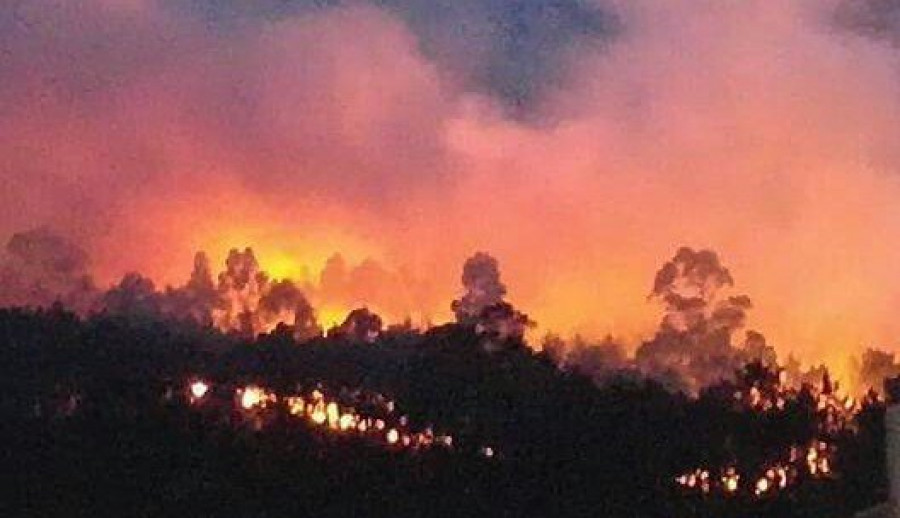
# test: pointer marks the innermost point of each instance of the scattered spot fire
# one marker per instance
(197, 390)
(361, 414)
(780, 474)
(807, 461)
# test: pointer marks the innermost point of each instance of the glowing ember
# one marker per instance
(198, 389)
(255, 397)
(392, 436)
(762, 485)
(296, 405)
(346, 421)
(332, 415)
(730, 480)
(814, 460)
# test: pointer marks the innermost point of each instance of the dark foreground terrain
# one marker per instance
(97, 420)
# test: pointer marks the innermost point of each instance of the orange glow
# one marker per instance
(327, 413)
(251, 397)
(558, 302)
(188, 225)
(787, 174)
(814, 459)
(556, 298)
(329, 317)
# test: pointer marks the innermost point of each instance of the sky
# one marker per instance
(579, 142)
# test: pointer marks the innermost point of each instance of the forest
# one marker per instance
(226, 397)
(101, 418)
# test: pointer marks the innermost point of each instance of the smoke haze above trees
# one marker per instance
(701, 339)
(579, 142)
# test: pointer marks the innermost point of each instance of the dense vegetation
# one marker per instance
(96, 423)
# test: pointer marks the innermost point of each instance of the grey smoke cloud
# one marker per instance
(513, 50)
(764, 130)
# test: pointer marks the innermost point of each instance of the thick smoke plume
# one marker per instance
(147, 130)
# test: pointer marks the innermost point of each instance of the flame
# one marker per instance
(836, 414)
(730, 480)
(392, 436)
(329, 414)
(198, 389)
(255, 397)
(762, 485)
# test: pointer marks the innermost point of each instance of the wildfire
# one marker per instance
(198, 389)
(777, 476)
(730, 480)
(762, 485)
(815, 459)
(251, 397)
(697, 479)
(379, 422)
(324, 412)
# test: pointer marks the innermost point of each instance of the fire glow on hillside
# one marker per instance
(372, 417)
(459, 257)
(835, 416)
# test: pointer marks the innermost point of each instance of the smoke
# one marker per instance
(599, 361)
(693, 347)
(144, 131)
(40, 267)
(343, 286)
(874, 368)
